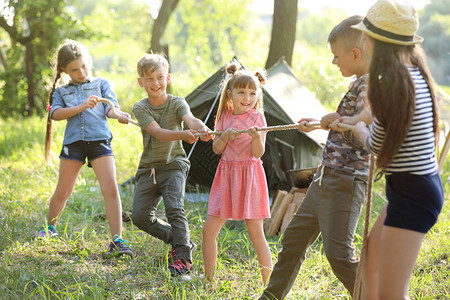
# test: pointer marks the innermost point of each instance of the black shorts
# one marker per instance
(415, 201)
(80, 150)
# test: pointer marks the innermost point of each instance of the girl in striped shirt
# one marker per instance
(403, 137)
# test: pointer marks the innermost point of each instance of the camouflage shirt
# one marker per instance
(342, 150)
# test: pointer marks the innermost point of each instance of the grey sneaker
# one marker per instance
(119, 247)
(48, 232)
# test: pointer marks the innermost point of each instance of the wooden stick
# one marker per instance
(113, 109)
(444, 152)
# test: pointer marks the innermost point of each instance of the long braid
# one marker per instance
(49, 133)
(67, 52)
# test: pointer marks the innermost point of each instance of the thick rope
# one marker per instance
(362, 260)
(280, 127)
(114, 112)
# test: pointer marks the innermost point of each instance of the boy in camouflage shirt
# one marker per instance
(332, 205)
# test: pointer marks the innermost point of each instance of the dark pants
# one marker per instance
(332, 208)
(169, 186)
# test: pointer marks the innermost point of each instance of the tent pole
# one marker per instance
(209, 113)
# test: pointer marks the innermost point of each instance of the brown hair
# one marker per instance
(240, 78)
(69, 51)
(351, 37)
(150, 62)
(392, 94)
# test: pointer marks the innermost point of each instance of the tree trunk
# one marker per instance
(283, 31)
(160, 24)
(29, 72)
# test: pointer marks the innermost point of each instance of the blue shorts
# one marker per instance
(79, 150)
(415, 201)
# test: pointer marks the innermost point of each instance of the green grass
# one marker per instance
(73, 268)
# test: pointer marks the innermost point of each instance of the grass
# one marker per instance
(72, 267)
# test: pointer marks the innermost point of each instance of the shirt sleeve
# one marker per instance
(108, 92)
(261, 120)
(182, 107)
(142, 114)
(219, 126)
(57, 101)
(375, 139)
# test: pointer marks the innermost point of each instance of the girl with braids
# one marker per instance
(403, 136)
(239, 190)
(87, 135)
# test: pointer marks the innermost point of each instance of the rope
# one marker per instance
(280, 127)
(362, 260)
(113, 109)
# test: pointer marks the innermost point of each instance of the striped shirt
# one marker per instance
(417, 153)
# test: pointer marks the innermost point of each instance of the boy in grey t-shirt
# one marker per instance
(163, 167)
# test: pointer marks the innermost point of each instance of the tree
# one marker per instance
(160, 24)
(283, 31)
(33, 27)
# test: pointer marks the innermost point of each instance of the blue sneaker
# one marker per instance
(119, 247)
(48, 232)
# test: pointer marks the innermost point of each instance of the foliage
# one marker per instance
(41, 25)
(435, 28)
(72, 267)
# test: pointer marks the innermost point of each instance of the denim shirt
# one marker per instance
(91, 124)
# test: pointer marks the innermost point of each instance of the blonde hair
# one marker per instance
(240, 78)
(69, 51)
(151, 62)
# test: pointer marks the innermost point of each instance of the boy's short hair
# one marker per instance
(344, 31)
(150, 62)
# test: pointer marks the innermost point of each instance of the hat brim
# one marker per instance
(360, 26)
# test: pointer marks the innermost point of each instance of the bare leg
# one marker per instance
(370, 277)
(68, 173)
(211, 229)
(399, 249)
(256, 233)
(105, 170)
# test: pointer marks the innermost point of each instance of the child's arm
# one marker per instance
(220, 141)
(64, 113)
(123, 116)
(197, 125)
(365, 116)
(258, 141)
(163, 134)
(361, 132)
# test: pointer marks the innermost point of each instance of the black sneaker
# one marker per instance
(179, 267)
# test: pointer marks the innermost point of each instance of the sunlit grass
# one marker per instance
(72, 266)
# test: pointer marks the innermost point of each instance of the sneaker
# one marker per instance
(48, 232)
(172, 256)
(118, 247)
(179, 268)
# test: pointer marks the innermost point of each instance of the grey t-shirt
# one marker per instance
(168, 116)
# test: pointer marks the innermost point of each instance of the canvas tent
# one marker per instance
(286, 100)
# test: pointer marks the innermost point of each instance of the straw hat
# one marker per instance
(391, 21)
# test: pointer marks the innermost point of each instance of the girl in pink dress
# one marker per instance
(239, 190)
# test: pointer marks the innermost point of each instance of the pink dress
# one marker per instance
(239, 190)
